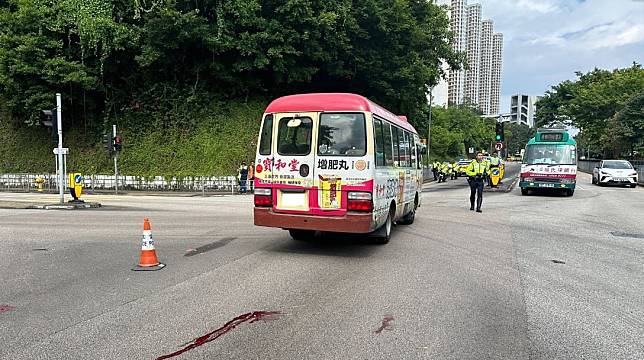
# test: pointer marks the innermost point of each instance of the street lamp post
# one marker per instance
(429, 124)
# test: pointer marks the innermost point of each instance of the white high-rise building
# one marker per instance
(523, 109)
(497, 62)
(480, 84)
(457, 22)
(473, 51)
(485, 66)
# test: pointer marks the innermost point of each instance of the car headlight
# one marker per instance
(604, 173)
(633, 174)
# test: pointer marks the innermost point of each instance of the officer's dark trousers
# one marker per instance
(476, 190)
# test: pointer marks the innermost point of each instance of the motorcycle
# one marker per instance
(442, 175)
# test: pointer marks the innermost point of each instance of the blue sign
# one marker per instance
(78, 179)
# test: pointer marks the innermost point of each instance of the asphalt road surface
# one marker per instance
(532, 277)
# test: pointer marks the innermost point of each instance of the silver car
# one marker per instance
(619, 172)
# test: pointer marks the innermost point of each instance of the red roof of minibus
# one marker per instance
(334, 102)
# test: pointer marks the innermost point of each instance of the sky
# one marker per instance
(546, 41)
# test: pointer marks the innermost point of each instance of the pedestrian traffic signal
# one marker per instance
(499, 132)
(108, 140)
(117, 143)
(49, 119)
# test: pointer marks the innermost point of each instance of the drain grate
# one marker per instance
(628, 235)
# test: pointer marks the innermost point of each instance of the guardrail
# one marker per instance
(91, 183)
(587, 166)
(27, 182)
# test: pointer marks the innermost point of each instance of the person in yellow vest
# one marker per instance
(495, 161)
(455, 170)
(435, 166)
(476, 171)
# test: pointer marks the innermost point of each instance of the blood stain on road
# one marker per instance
(250, 318)
(5, 308)
(386, 324)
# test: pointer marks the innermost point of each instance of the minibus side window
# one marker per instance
(379, 141)
(396, 142)
(386, 132)
(266, 138)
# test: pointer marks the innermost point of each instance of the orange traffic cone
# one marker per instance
(148, 260)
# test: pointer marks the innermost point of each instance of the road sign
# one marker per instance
(498, 146)
(471, 150)
(65, 151)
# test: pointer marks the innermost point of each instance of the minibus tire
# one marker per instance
(384, 233)
(411, 216)
(301, 235)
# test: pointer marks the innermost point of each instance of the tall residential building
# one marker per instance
(457, 23)
(480, 84)
(497, 62)
(485, 77)
(523, 109)
(473, 51)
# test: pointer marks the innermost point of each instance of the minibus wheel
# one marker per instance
(384, 233)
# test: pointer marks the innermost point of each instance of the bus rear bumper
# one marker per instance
(544, 185)
(349, 223)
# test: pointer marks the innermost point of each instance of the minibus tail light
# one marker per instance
(359, 201)
(263, 197)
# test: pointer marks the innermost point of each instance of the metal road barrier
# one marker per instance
(587, 166)
(27, 182)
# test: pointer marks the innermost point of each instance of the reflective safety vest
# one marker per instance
(495, 161)
(477, 168)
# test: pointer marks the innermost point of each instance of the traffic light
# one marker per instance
(499, 132)
(108, 140)
(117, 143)
(49, 119)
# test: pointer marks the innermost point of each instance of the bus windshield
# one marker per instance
(550, 154)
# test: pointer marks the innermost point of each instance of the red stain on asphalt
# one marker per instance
(250, 318)
(386, 324)
(5, 308)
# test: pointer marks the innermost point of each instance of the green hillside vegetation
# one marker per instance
(225, 134)
(186, 81)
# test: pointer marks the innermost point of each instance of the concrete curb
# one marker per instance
(64, 206)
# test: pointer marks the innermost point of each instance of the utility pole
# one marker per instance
(429, 123)
(116, 167)
(61, 168)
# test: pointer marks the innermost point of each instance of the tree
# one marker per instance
(517, 136)
(108, 57)
(630, 123)
(456, 129)
(592, 104)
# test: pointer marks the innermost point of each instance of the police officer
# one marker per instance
(455, 170)
(476, 171)
(435, 169)
(494, 161)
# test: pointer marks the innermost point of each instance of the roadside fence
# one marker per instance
(101, 183)
(27, 182)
